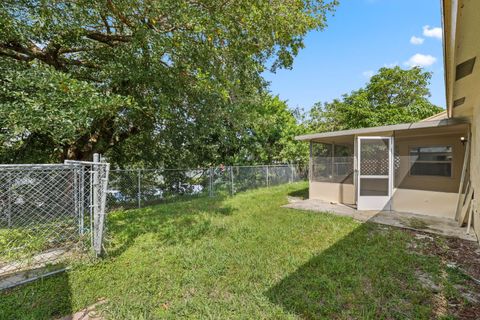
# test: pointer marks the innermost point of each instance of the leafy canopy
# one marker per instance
(115, 75)
(393, 95)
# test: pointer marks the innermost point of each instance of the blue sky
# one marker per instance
(361, 37)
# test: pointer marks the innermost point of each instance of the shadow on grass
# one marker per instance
(172, 223)
(302, 193)
(367, 274)
(17, 303)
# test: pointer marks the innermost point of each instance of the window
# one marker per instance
(431, 161)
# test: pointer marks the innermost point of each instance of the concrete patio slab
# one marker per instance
(441, 226)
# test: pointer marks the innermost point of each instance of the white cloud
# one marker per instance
(416, 40)
(368, 74)
(421, 60)
(432, 32)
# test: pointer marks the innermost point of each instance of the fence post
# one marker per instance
(9, 200)
(210, 182)
(268, 181)
(232, 189)
(95, 204)
(81, 192)
(139, 190)
(291, 172)
(103, 187)
(76, 198)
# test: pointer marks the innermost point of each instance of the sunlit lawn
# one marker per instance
(242, 257)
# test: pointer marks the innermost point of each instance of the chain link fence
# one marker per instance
(53, 215)
(138, 188)
(50, 215)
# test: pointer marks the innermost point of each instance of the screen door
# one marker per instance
(375, 172)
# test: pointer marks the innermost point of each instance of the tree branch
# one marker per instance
(118, 14)
(15, 55)
(109, 39)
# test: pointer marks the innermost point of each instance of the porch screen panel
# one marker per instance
(374, 157)
(332, 162)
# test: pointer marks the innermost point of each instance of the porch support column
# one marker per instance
(310, 163)
(355, 167)
(333, 159)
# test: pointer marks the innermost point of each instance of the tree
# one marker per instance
(268, 135)
(259, 130)
(393, 95)
(43, 111)
(116, 74)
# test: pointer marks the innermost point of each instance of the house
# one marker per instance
(431, 167)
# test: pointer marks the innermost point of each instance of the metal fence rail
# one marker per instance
(137, 188)
(49, 216)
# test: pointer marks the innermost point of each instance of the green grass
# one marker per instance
(243, 257)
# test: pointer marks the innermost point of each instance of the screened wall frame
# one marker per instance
(331, 162)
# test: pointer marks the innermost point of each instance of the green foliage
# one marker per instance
(43, 112)
(260, 129)
(392, 96)
(268, 134)
(169, 77)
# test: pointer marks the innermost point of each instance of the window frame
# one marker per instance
(411, 163)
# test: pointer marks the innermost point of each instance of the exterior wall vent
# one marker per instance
(465, 68)
(458, 102)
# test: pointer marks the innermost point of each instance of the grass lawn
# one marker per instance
(246, 257)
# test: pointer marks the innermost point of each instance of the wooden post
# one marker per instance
(466, 160)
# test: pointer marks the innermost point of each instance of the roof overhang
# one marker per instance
(461, 50)
(390, 128)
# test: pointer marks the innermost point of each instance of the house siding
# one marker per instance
(430, 203)
(332, 192)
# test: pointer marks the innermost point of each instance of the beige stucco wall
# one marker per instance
(431, 203)
(332, 192)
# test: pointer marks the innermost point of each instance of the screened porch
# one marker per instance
(416, 170)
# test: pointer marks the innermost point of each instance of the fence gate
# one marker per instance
(50, 215)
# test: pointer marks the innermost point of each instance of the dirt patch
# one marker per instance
(89, 313)
(294, 199)
(427, 282)
(459, 253)
(461, 259)
(416, 223)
